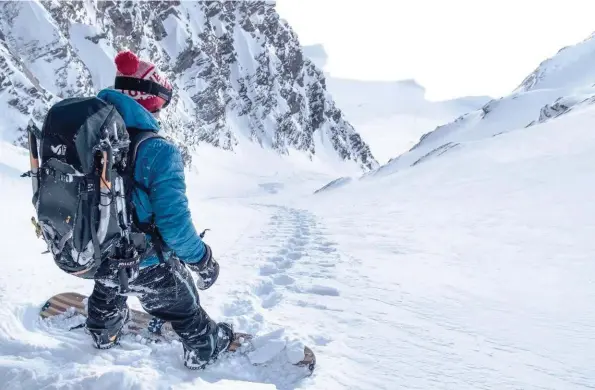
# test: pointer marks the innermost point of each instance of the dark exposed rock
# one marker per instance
(186, 59)
(158, 29)
(96, 38)
(262, 78)
(562, 106)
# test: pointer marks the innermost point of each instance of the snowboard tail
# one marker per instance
(143, 324)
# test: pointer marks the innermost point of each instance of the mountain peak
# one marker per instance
(559, 85)
(238, 70)
(572, 67)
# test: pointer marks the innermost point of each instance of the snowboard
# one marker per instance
(258, 349)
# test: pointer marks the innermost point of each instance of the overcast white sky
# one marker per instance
(451, 47)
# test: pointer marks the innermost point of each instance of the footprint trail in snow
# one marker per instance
(302, 263)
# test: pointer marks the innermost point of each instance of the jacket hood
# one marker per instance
(134, 114)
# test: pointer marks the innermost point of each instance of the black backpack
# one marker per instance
(82, 185)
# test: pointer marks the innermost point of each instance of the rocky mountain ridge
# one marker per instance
(238, 70)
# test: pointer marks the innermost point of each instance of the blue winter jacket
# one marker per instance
(159, 168)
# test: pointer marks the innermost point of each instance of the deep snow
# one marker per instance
(471, 271)
(465, 263)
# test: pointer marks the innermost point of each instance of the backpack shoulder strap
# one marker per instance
(137, 138)
(135, 142)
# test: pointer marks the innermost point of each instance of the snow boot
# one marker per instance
(193, 361)
(105, 338)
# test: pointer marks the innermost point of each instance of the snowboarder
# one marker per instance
(162, 282)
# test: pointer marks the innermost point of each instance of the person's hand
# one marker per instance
(207, 270)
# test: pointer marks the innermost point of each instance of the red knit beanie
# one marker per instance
(129, 65)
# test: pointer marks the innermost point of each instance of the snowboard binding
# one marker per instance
(106, 338)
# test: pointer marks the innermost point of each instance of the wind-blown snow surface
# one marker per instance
(472, 271)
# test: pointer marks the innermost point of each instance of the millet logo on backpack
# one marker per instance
(60, 150)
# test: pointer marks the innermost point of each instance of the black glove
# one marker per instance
(207, 269)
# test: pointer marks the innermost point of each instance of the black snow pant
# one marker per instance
(165, 291)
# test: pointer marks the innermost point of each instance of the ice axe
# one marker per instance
(33, 133)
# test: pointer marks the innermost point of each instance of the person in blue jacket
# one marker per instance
(164, 284)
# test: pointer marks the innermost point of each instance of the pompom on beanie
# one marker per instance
(129, 65)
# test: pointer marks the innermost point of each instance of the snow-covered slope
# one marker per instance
(556, 87)
(231, 194)
(392, 116)
(363, 101)
(238, 69)
(570, 68)
(472, 271)
(21, 96)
